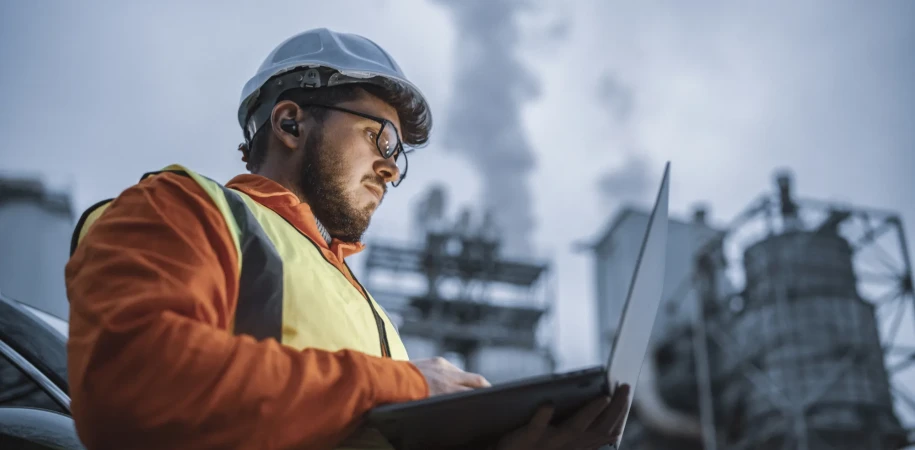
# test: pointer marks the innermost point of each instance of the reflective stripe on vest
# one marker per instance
(259, 310)
(287, 290)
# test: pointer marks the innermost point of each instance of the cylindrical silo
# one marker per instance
(808, 351)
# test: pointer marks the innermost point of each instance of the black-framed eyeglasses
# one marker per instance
(387, 140)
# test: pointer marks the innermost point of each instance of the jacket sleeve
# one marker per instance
(151, 364)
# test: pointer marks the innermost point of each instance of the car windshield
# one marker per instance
(58, 324)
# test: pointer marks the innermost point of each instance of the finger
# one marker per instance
(541, 419)
(583, 419)
(453, 388)
(443, 362)
(473, 380)
(611, 419)
(539, 424)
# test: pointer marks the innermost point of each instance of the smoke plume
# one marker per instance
(484, 118)
(631, 181)
(628, 182)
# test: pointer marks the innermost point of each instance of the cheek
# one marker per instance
(349, 176)
(358, 162)
(351, 172)
(351, 159)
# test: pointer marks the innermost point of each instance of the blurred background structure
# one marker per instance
(452, 292)
(36, 222)
(780, 331)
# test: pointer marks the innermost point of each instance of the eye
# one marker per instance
(372, 135)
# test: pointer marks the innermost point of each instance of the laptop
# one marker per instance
(481, 416)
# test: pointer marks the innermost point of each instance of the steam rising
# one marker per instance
(484, 121)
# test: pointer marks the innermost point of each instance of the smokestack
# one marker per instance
(783, 180)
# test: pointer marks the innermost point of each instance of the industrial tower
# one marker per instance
(453, 293)
(791, 328)
(804, 352)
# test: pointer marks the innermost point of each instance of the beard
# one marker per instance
(323, 182)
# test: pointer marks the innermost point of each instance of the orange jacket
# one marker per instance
(152, 364)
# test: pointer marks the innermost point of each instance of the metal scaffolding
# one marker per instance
(455, 290)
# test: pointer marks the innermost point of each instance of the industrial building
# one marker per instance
(453, 293)
(36, 224)
(615, 256)
(778, 331)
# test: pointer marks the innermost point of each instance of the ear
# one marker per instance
(287, 110)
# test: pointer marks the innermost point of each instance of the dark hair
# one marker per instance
(415, 117)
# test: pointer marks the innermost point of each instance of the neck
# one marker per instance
(278, 171)
(272, 171)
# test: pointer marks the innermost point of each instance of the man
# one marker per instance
(210, 316)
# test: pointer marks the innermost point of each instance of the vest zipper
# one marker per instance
(379, 322)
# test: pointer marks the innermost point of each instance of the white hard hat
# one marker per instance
(319, 58)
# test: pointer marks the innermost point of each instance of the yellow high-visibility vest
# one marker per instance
(288, 291)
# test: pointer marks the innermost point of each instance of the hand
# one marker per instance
(596, 424)
(444, 378)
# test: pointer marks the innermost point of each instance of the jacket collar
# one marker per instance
(282, 201)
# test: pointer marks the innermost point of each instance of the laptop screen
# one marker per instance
(640, 310)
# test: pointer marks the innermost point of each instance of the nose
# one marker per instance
(387, 169)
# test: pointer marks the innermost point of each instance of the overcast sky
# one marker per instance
(555, 112)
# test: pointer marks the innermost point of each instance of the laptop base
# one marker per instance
(480, 417)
